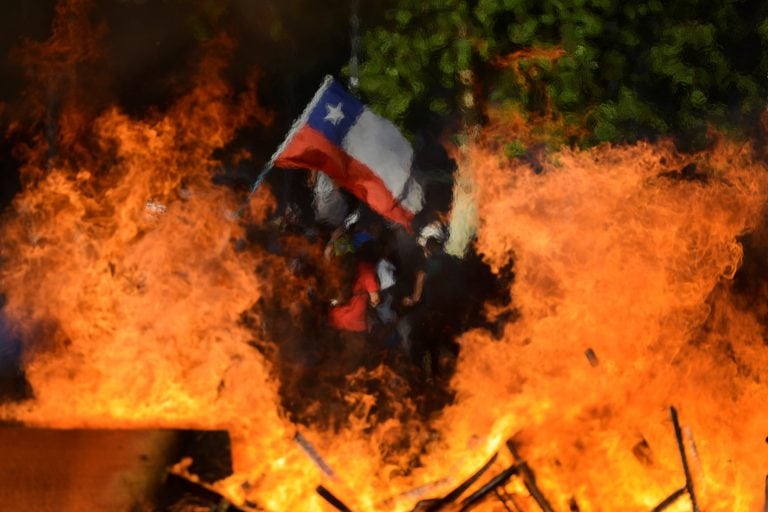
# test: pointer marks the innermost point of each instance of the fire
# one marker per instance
(125, 274)
(615, 253)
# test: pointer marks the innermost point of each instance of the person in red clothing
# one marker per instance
(350, 320)
(352, 315)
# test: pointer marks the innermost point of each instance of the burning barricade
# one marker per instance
(615, 282)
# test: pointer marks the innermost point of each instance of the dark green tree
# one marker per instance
(627, 70)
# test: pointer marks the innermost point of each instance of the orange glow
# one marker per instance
(613, 253)
(121, 274)
(513, 59)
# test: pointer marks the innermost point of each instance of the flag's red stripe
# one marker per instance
(309, 149)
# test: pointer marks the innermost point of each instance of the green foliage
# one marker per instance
(514, 149)
(628, 70)
(411, 65)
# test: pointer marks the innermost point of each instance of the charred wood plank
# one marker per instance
(313, 454)
(669, 500)
(642, 452)
(479, 495)
(333, 500)
(684, 459)
(417, 492)
(437, 504)
(592, 357)
(529, 479)
(430, 505)
(458, 491)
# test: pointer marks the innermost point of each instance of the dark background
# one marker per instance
(149, 45)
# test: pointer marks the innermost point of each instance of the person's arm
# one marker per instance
(418, 289)
(370, 284)
(328, 252)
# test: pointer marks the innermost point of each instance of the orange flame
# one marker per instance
(615, 253)
(122, 276)
(513, 59)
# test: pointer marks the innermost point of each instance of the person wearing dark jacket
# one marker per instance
(431, 323)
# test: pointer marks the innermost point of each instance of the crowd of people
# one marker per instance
(404, 298)
(358, 291)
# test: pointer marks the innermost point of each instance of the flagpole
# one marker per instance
(294, 128)
(256, 184)
(354, 38)
(260, 178)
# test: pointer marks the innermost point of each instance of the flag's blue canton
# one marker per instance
(324, 116)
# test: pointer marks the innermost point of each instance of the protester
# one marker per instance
(388, 311)
(330, 203)
(351, 316)
(431, 322)
(350, 236)
(385, 271)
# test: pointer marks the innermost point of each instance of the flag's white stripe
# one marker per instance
(302, 120)
(377, 143)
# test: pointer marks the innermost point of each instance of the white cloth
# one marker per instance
(329, 203)
(385, 271)
(434, 230)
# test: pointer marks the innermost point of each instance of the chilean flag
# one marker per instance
(361, 152)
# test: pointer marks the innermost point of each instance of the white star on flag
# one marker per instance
(360, 152)
(335, 114)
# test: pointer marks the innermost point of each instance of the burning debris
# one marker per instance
(332, 500)
(495, 487)
(765, 507)
(688, 487)
(141, 299)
